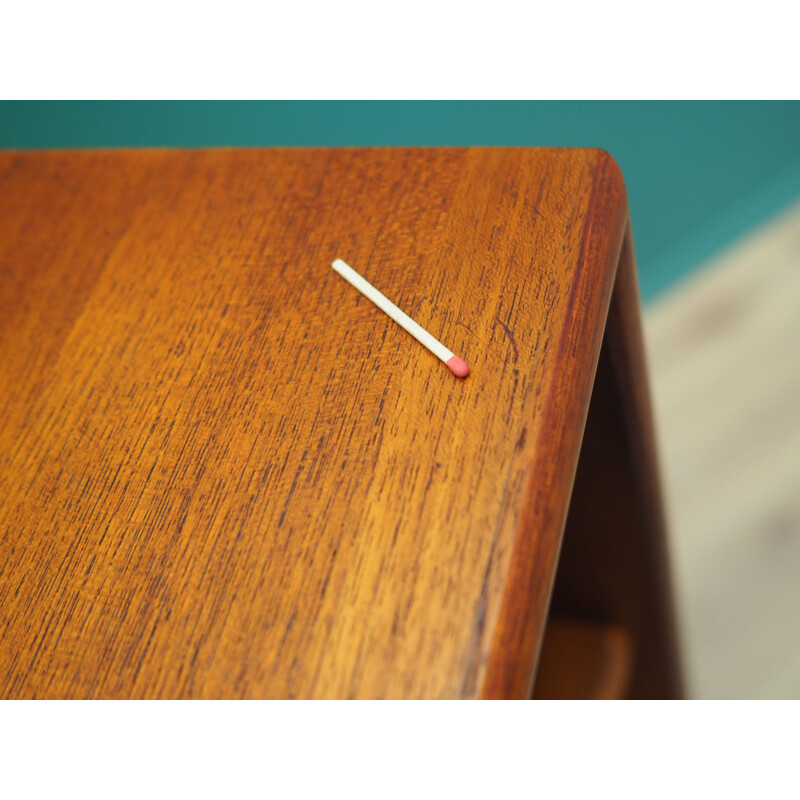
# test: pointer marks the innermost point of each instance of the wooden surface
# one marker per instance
(613, 565)
(583, 661)
(225, 474)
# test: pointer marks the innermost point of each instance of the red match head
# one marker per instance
(458, 366)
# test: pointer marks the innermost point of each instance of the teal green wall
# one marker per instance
(699, 174)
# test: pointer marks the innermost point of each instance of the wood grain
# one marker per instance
(225, 474)
(614, 565)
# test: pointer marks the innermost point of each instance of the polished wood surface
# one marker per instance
(225, 474)
(613, 562)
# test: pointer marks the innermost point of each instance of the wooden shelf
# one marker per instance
(225, 474)
(583, 661)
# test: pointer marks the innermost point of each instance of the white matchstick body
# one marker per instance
(456, 365)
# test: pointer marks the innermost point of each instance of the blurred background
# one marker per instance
(714, 192)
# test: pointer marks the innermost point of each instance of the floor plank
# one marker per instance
(724, 359)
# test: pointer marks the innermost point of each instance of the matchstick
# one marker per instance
(456, 365)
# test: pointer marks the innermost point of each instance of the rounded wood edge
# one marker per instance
(516, 642)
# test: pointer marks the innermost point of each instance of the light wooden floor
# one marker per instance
(724, 359)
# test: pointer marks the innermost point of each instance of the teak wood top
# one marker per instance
(223, 473)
